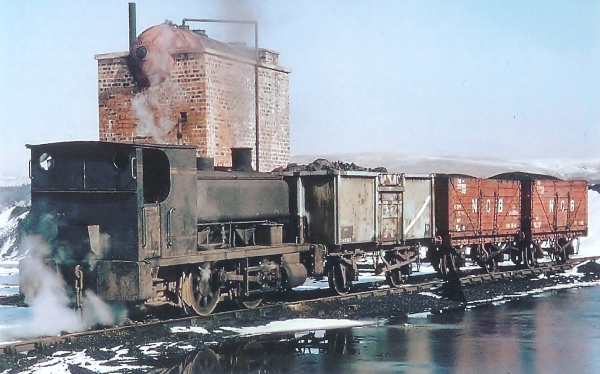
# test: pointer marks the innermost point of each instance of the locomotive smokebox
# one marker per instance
(241, 159)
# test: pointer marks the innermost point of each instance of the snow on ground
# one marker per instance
(60, 361)
(194, 329)
(300, 325)
(590, 245)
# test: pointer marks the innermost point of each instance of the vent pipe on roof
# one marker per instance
(132, 31)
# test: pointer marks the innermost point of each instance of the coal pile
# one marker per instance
(591, 267)
(326, 165)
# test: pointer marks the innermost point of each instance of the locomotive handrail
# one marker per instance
(169, 231)
(144, 228)
(133, 171)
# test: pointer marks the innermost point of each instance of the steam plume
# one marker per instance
(45, 293)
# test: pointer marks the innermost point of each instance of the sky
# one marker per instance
(473, 79)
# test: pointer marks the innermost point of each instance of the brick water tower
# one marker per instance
(179, 86)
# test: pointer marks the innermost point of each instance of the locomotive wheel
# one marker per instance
(339, 278)
(198, 293)
(249, 302)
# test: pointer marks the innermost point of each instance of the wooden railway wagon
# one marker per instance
(363, 214)
(478, 218)
(554, 215)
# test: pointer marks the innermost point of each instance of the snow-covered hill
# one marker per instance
(6, 181)
(588, 169)
(10, 220)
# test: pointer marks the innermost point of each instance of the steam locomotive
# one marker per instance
(153, 225)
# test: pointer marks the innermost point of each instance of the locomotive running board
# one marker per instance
(232, 254)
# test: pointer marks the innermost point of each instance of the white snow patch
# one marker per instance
(590, 245)
(194, 329)
(59, 363)
(430, 294)
(150, 349)
(298, 325)
(419, 315)
(189, 347)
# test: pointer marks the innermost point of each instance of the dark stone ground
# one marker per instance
(449, 297)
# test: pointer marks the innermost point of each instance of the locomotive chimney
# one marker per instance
(241, 159)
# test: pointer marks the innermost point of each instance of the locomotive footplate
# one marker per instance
(231, 254)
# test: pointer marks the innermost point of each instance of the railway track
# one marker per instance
(423, 283)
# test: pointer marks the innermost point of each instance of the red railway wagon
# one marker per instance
(554, 215)
(480, 218)
(556, 207)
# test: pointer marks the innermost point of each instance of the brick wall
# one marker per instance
(208, 98)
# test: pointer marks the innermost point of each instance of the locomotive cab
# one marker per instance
(107, 209)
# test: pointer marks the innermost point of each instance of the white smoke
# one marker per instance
(238, 10)
(152, 108)
(45, 293)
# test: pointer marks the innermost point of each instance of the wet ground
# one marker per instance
(548, 326)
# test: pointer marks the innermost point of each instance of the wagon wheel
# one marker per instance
(447, 264)
(340, 278)
(562, 255)
(199, 292)
(528, 256)
(516, 256)
(491, 265)
(434, 258)
(396, 277)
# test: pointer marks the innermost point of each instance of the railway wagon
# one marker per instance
(384, 217)
(141, 224)
(554, 215)
(475, 218)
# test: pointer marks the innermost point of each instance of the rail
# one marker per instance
(424, 284)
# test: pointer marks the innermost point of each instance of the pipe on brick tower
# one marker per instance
(132, 25)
